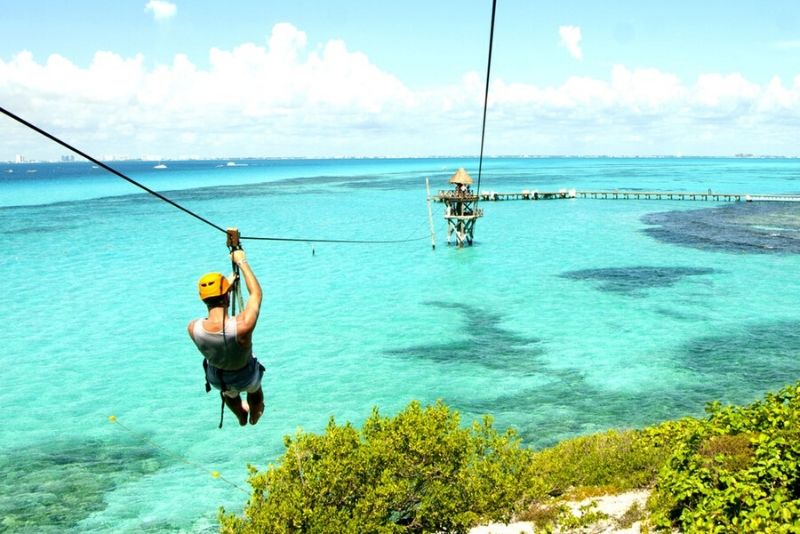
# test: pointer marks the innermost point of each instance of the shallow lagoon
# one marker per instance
(567, 317)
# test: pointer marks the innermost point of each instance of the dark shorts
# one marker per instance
(247, 379)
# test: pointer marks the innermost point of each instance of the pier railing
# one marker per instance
(617, 194)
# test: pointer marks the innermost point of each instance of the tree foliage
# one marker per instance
(611, 462)
(736, 471)
(419, 471)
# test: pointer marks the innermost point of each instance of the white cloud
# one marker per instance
(286, 98)
(779, 99)
(718, 95)
(646, 90)
(645, 111)
(787, 45)
(252, 97)
(161, 9)
(571, 39)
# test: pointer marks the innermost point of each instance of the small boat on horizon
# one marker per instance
(160, 166)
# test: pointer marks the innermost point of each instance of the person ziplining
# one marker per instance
(226, 341)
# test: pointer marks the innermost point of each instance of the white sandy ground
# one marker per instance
(613, 505)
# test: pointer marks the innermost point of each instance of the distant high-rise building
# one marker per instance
(20, 158)
(67, 158)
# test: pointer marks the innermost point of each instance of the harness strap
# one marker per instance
(221, 392)
(234, 244)
(221, 409)
(205, 374)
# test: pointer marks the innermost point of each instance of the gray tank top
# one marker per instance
(221, 352)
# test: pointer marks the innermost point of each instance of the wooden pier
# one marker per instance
(619, 194)
(461, 203)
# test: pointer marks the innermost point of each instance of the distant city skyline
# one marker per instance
(356, 79)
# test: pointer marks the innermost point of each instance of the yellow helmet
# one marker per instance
(213, 285)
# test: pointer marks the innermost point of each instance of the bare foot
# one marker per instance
(256, 412)
(239, 409)
(242, 415)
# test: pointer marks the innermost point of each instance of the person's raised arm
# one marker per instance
(246, 320)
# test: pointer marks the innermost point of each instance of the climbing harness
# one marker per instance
(223, 388)
(235, 300)
(234, 244)
(235, 297)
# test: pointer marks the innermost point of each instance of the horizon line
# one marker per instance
(457, 156)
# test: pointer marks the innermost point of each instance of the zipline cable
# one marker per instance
(255, 238)
(183, 209)
(106, 167)
(485, 101)
(406, 240)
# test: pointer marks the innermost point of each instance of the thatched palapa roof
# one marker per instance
(461, 177)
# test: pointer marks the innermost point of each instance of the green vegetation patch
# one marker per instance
(737, 470)
(420, 471)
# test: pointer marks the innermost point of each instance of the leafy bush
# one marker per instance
(419, 471)
(736, 471)
(587, 466)
(609, 462)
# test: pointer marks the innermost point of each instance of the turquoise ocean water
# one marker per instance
(567, 317)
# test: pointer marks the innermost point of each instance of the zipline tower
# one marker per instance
(460, 208)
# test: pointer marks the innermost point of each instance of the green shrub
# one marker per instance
(736, 471)
(609, 462)
(419, 471)
(633, 514)
(587, 466)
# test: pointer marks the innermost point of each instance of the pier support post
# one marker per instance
(430, 212)
(461, 209)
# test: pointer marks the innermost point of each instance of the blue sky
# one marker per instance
(349, 78)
